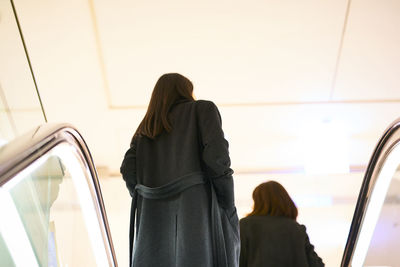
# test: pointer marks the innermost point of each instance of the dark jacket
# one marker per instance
(273, 241)
(182, 188)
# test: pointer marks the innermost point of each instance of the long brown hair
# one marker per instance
(169, 88)
(271, 198)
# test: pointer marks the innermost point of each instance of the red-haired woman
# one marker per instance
(270, 235)
(178, 173)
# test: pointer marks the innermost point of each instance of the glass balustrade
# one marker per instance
(374, 236)
(51, 214)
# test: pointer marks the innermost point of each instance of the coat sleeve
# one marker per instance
(313, 259)
(215, 154)
(128, 167)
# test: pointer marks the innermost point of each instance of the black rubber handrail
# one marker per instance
(22, 151)
(389, 139)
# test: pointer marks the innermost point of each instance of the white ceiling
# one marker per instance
(257, 51)
(275, 69)
(369, 68)
(234, 51)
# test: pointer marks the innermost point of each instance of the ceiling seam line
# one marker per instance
(339, 55)
(100, 53)
(28, 59)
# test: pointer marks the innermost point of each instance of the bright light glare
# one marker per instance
(75, 166)
(312, 200)
(3, 142)
(14, 233)
(26, 172)
(325, 148)
(374, 206)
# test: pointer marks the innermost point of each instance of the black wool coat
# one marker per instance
(273, 241)
(182, 193)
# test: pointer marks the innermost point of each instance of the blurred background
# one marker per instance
(305, 89)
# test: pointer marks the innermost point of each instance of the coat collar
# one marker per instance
(179, 101)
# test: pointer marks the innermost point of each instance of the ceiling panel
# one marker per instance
(370, 64)
(234, 51)
(62, 48)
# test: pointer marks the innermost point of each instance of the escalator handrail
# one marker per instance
(22, 151)
(388, 141)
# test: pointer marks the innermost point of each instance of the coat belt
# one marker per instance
(172, 188)
(176, 187)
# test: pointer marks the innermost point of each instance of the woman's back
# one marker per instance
(270, 235)
(171, 155)
(273, 241)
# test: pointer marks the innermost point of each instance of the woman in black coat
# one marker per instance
(270, 235)
(178, 173)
